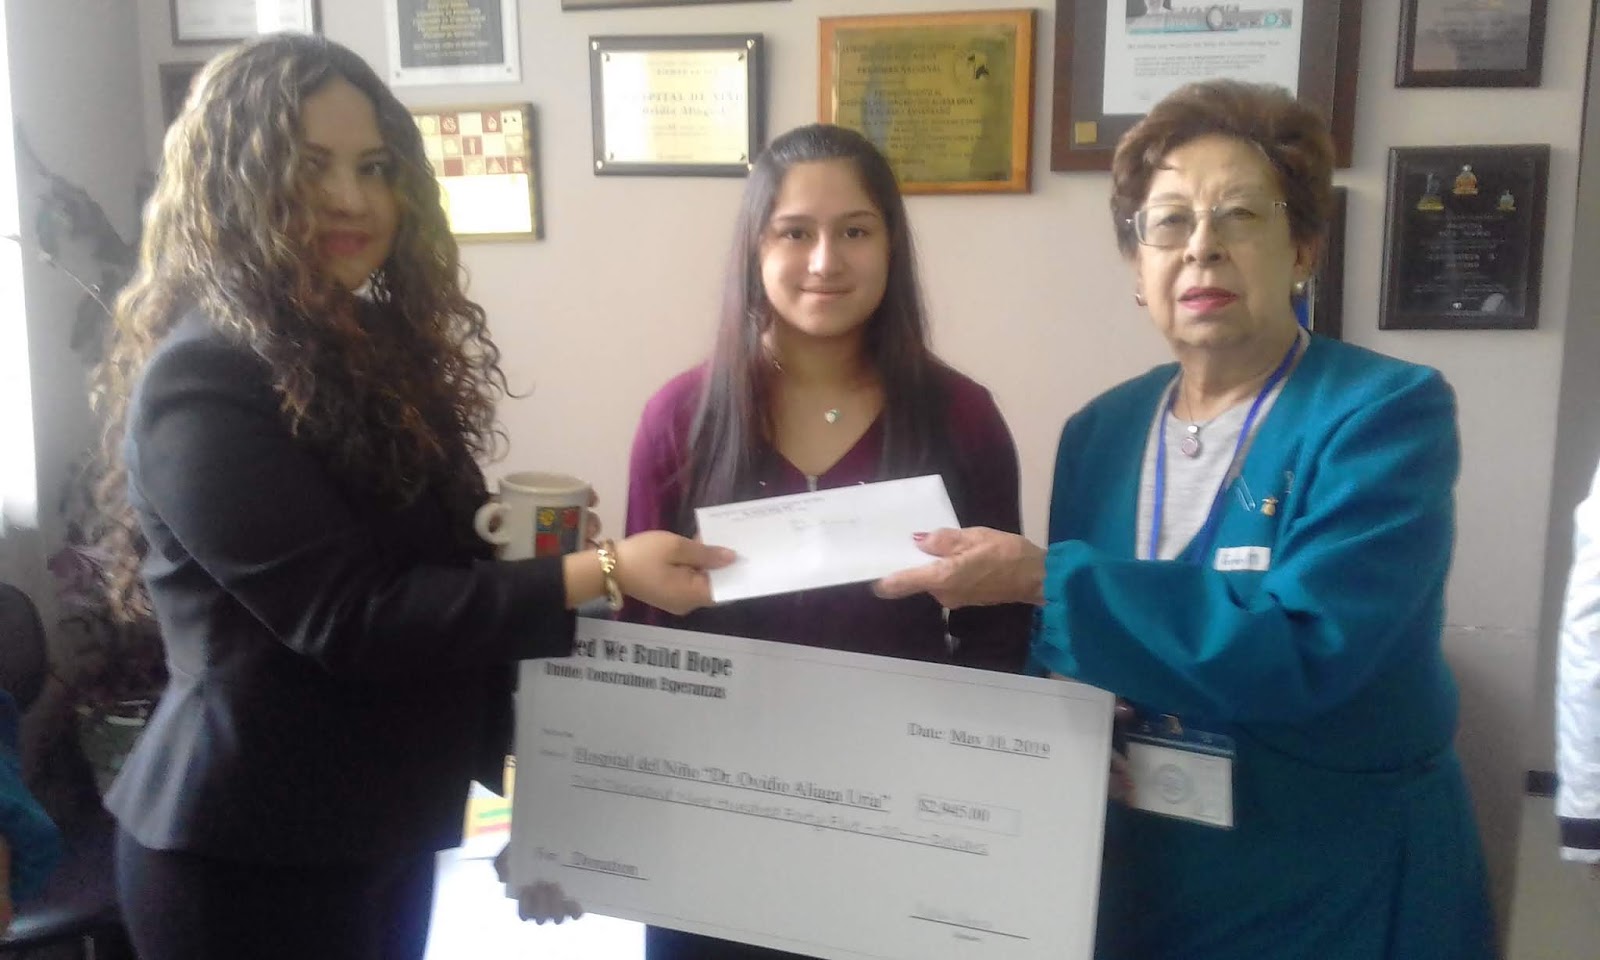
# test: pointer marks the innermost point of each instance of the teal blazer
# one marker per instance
(30, 835)
(1354, 835)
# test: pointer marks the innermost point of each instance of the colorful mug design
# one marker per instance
(535, 514)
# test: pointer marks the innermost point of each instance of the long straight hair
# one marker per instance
(734, 418)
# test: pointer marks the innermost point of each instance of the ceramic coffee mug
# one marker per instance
(535, 514)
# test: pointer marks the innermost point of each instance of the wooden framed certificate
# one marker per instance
(947, 97)
(1115, 59)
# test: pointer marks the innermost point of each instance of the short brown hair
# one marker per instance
(1292, 135)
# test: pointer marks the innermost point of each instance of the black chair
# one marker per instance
(79, 903)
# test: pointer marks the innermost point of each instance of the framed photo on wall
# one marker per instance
(212, 22)
(1324, 296)
(462, 41)
(677, 105)
(1115, 59)
(486, 160)
(1470, 43)
(1464, 237)
(947, 97)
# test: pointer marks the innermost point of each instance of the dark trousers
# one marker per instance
(183, 906)
(663, 944)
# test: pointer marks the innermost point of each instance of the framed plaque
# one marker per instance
(485, 160)
(212, 22)
(1115, 59)
(676, 106)
(1470, 43)
(452, 41)
(611, 4)
(947, 97)
(1324, 297)
(1463, 238)
(176, 79)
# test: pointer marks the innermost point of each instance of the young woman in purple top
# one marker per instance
(822, 377)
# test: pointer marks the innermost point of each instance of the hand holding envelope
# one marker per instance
(667, 571)
(825, 538)
(975, 566)
(902, 531)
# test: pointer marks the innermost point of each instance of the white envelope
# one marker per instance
(808, 540)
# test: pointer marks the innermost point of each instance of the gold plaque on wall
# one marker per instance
(947, 97)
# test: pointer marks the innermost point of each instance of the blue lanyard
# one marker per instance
(1208, 532)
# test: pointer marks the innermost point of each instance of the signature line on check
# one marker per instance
(963, 926)
(819, 826)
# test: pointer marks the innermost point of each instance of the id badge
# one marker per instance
(1181, 773)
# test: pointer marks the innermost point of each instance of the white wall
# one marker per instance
(1506, 383)
(1578, 427)
(75, 95)
(1027, 294)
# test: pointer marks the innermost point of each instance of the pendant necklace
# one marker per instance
(1190, 446)
(1200, 546)
(831, 415)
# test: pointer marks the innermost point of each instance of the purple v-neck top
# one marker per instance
(983, 490)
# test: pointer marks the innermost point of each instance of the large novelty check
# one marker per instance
(833, 804)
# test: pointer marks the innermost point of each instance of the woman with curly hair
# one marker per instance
(297, 394)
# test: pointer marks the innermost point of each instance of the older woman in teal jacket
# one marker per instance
(1250, 546)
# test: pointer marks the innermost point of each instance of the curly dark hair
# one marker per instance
(1292, 135)
(394, 404)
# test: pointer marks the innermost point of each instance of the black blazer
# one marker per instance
(339, 670)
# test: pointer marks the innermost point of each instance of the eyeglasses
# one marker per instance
(1171, 224)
